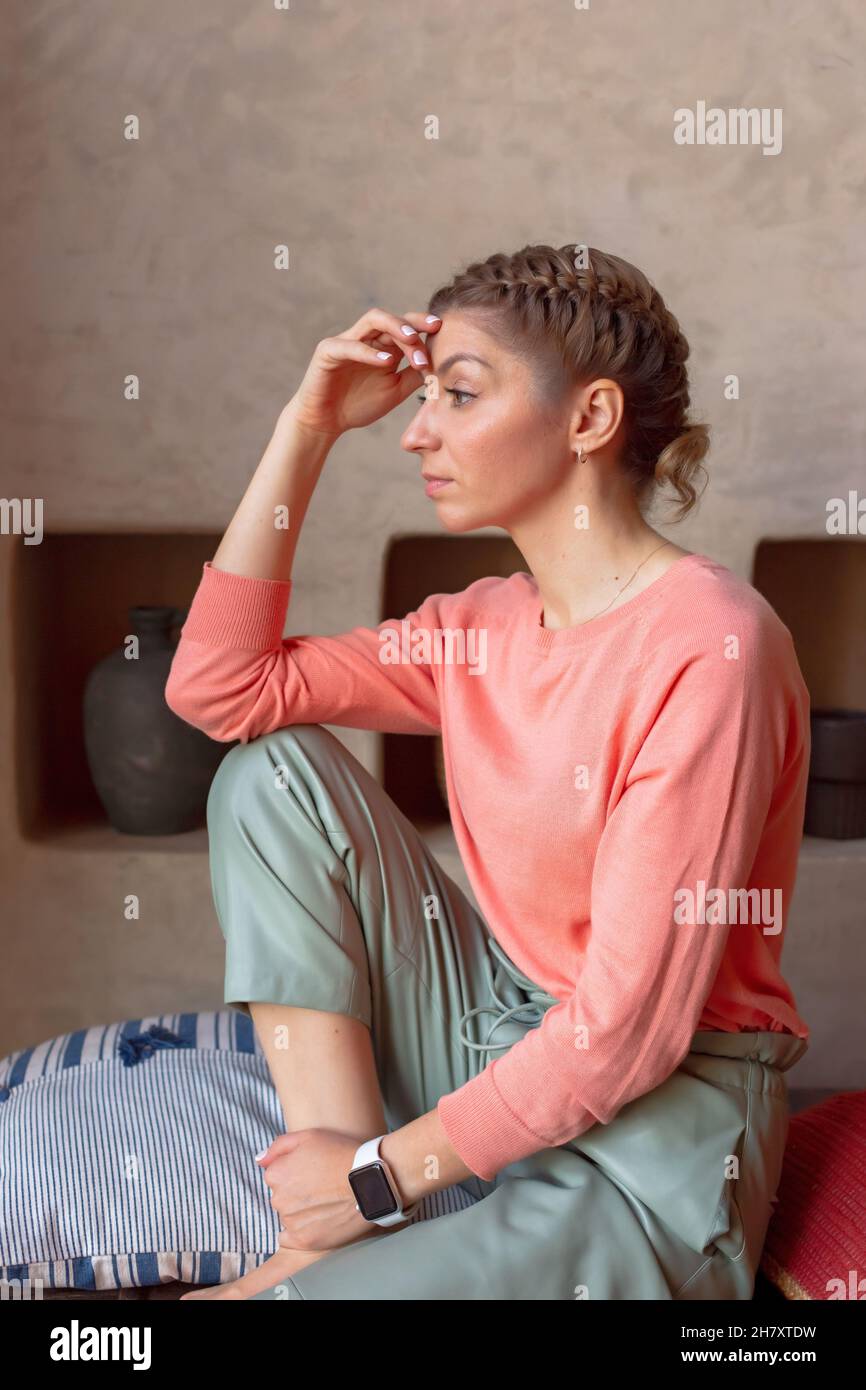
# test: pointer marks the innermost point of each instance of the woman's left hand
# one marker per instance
(307, 1172)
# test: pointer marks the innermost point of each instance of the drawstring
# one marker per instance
(530, 1013)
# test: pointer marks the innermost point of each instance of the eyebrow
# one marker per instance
(461, 357)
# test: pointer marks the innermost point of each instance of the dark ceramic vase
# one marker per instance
(836, 796)
(152, 770)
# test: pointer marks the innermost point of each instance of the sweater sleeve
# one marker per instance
(235, 676)
(693, 805)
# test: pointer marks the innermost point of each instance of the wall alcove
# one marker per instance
(415, 567)
(70, 599)
(818, 589)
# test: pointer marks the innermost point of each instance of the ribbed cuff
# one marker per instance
(482, 1129)
(233, 610)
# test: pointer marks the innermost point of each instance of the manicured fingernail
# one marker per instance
(419, 358)
(404, 328)
(261, 1155)
(432, 318)
(383, 354)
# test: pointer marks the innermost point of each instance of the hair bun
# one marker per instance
(680, 462)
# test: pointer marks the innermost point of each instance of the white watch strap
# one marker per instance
(368, 1152)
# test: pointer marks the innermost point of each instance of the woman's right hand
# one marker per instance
(347, 385)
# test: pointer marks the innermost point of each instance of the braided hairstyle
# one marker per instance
(603, 320)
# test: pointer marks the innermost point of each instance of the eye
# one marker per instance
(453, 392)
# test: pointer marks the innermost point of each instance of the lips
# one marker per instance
(432, 484)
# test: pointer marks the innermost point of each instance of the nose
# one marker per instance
(420, 433)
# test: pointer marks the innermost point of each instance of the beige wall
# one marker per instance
(307, 127)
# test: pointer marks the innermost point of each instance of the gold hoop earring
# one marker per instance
(581, 457)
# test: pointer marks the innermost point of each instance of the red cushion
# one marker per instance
(816, 1242)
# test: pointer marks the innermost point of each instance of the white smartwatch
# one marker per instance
(376, 1192)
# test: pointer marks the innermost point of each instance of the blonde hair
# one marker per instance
(575, 323)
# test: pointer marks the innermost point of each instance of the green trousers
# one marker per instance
(329, 899)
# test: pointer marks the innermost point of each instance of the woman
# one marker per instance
(599, 1057)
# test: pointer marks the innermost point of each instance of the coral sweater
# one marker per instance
(611, 787)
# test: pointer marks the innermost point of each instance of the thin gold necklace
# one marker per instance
(625, 586)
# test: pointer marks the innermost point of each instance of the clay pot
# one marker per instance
(836, 795)
(152, 770)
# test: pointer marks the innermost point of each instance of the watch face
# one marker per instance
(373, 1191)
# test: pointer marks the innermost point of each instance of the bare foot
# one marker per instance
(281, 1265)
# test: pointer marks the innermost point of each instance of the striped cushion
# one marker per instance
(126, 1155)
